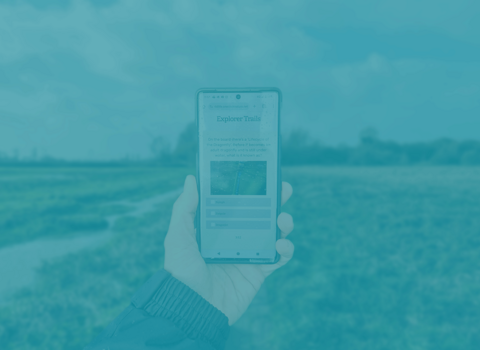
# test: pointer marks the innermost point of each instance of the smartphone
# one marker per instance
(238, 174)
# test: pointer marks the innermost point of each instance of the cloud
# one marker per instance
(78, 70)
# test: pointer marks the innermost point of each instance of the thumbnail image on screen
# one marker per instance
(238, 178)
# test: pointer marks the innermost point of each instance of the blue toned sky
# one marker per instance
(99, 79)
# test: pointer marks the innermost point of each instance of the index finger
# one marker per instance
(286, 191)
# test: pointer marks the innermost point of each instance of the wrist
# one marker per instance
(165, 296)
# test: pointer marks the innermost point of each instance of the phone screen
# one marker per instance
(238, 171)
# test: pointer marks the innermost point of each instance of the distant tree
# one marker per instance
(297, 138)
(296, 149)
(186, 149)
(446, 152)
(418, 153)
(368, 136)
(373, 151)
(470, 153)
(160, 149)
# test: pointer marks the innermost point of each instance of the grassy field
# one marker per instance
(40, 202)
(386, 258)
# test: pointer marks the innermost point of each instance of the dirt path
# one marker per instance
(18, 263)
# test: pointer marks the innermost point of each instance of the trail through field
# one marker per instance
(18, 263)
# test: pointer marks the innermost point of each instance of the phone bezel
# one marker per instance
(279, 174)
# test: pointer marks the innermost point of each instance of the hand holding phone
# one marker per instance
(228, 287)
(238, 174)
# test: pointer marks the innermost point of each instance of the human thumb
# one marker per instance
(184, 209)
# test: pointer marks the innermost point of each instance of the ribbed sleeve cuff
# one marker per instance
(199, 319)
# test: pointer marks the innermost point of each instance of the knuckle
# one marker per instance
(289, 217)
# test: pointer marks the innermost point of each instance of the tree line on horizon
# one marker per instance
(299, 148)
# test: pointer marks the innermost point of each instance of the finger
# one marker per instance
(184, 209)
(286, 191)
(285, 248)
(285, 224)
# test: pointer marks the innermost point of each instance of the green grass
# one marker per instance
(386, 258)
(242, 178)
(40, 202)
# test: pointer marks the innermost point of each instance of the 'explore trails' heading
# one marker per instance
(239, 119)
